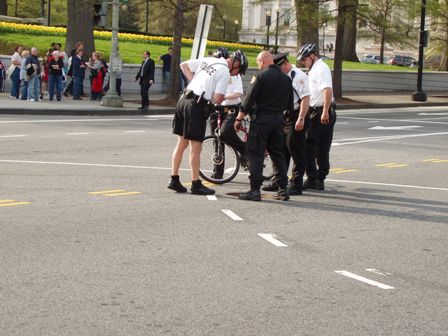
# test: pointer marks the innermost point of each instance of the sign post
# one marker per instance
(201, 33)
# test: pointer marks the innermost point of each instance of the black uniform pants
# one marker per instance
(318, 143)
(227, 134)
(266, 133)
(144, 88)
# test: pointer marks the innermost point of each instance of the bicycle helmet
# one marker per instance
(306, 50)
(221, 52)
(242, 59)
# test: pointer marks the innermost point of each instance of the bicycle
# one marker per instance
(220, 163)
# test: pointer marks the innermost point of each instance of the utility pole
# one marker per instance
(420, 95)
(49, 13)
(112, 99)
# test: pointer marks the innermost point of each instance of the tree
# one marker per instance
(350, 32)
(307, 18)
(438, 49)
(340, 27)
(3, 7)
(385, 22)
(80, 25)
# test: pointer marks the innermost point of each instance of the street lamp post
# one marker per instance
(268, 24)
(419, 94)
(236, 30)
(324, 25)
(112, 99)
(277, 11)
(224, 18)
(48, 12)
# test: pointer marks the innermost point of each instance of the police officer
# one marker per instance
(228, 110)
(268, 96)
(320, 119)
(208, 78)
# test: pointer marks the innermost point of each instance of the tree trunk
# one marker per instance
(337, 72)
(382, 44)
(178, 27)
(3, 7)
(350, 33)
(80, 25)
(307, 18)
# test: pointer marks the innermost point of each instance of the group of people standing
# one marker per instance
(33, 79)
(292, 117)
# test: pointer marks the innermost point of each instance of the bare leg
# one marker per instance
(195, 159)
(178, 153)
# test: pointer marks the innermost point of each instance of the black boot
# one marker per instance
(310, 184)
(270, 187)
(320, 185)
(282, 194)
(176, 185)
(197, 188)
(295, 190)
(251, 195)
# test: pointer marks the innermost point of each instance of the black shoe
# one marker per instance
(320, 185)
(251, 195)
(176, 185)
(197, 188)
(217, 176)
(309, 184)
(282, 195)
(294, 190)
(270, 187)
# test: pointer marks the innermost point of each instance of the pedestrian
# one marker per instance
(55, 75)
(33, 72)
(14, 72)
(97, 75)
(228, 110)
(145, 76)
(295, 144)
(2, 76)
(69, 87)
(268, 96)
(79, 72)
(46, 73)
(330, 49)
(166, 68)
(23, 77)
(208, 79)
(320, 119)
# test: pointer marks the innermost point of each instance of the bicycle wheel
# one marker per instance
(268, 169)
(220, 163)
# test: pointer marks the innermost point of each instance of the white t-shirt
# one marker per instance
(235, 85)
(320, 78)
(211, 75)
(300, 84)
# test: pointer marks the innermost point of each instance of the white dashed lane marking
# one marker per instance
(14, 136)
(232, 215)
(365, 280)
(85, 133)
(212, 198)
(272, 239)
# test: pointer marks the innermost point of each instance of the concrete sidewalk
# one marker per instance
(131, 103)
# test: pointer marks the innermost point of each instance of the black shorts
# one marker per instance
(190, 119)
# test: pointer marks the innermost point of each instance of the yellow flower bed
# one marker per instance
(11, 27)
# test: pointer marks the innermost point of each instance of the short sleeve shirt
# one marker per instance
(211, 75)
(320, 78)
(235, 86)
(166, 59)
(300, 84)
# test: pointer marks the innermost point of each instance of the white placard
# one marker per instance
(201, 34)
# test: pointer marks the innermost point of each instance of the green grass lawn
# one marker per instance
(131, 52)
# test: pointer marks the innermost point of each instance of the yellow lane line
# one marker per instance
(6, 201)
(336, 169)
(430, 160)
(345, 171)
(105, 192)
(398, 166)
(123, 194)
(14, 204)
(386, 164)
(439, 161)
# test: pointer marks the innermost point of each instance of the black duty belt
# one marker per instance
(199, 100)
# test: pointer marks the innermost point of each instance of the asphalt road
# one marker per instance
(92, 242)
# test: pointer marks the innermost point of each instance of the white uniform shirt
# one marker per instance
(320, 78)
(300, 84)
(235, 86)
(211, 75)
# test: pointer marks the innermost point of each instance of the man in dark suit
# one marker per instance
(146, 77)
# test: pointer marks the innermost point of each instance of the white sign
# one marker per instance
(116, 64)
(201, 34)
